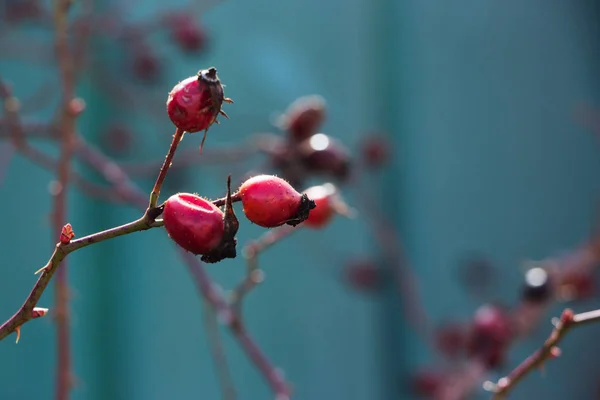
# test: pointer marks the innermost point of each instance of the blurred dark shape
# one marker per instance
(321, 154)
(364, 275)
(304, 117)
(451, 339)
(117, 140)
(476, 273)
(426, 383)
(490, 334)
(186, 32)
(575, 285)
(145, 65)
(15, 11)
(375, 151)
(537, 286)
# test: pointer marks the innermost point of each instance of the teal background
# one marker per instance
(478, 98)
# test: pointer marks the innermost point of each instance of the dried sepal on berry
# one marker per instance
(227, 247)
(195, 103)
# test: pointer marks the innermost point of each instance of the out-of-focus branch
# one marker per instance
(254, 275)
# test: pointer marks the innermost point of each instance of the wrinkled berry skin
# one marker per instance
(194, 103)
(324, 197)
(270, 201)
(193, 223)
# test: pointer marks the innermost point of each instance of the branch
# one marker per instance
(254, 275)
(60, 253)
(549, 350)
(165, 168)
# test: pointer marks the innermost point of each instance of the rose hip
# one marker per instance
(193, 223)
(270, 201)
(195, 103)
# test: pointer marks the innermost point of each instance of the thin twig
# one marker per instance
(60, 252)
(165, 168)
(254, 275)
(548, 350)
(218, 352)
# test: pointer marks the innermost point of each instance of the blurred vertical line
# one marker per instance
(99, 295)
(391, 47)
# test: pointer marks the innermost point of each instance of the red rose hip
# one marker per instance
(270, 201)
(328, 203)
(195, 103)
(193, 223)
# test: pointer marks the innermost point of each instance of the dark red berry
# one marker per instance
(576, 285)
(146, 65)
(195, 103)
(322, 154)
(304, 117)
(427, 383)
(491, 332)
(537, 287)
(450, 339)
(117, 139)
(363, 275)
(193, 223)
(187, 33)
(375, 151)
(270, 201)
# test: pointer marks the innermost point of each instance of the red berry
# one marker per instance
(270, 201)
(194, 103)
(328, 203)
(193, 223)
(491, 332)
(187, 33)
(324, 197)
(304, 117)
(322, 154)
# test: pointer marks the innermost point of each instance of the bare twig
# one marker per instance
(60, 252)
(218, 352)
(254, 275)
(548, 350)
(165, 168)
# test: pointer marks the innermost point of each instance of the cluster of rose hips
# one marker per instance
(197, 224)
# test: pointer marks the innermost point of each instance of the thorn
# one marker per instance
(43, 269)
(203, 139)
(18, 330)
(223, 113)
(228, 100)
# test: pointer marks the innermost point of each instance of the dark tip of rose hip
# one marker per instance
(208, 75)
(227, 249)
(306, 205)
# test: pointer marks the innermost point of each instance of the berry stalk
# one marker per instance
(164, 169)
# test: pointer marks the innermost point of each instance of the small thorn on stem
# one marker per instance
(18, 330)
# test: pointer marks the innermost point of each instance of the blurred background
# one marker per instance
(471, 133)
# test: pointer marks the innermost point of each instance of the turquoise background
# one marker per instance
(478, 98)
